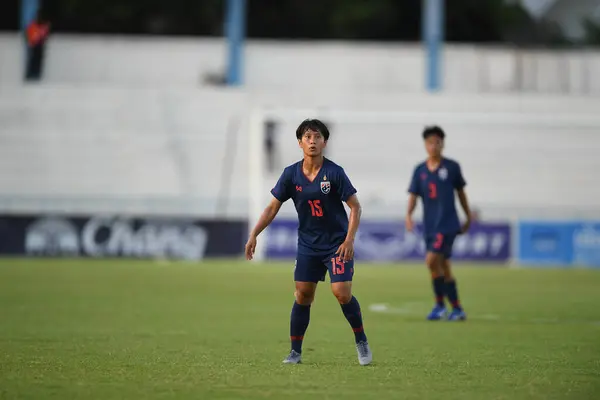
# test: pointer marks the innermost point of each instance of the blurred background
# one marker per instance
(155, 129)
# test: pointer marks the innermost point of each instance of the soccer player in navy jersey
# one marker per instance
(435, 182)
(318, 188)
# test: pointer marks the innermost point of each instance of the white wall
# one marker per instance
(113, 60)
(172, 150)
(345, 67)
(126, 124)
(518, 162)
(151, 150)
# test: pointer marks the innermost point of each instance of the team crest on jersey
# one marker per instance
(325, 187)
(443, 173)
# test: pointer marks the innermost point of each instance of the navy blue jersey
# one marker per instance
(436, 189)
(321, 214)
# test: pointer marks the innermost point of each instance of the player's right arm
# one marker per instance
(281, 192)
(413, 193)
(265, 220)
(412, 204)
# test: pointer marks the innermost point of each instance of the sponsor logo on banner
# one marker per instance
(559, 243)
(52, 237)
(385, 242)
(586, 245)
(282, 239)
(110, 237)
(388, 241)
(132, 237)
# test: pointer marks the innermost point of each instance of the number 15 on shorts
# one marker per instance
(337, 266)
(341, 271)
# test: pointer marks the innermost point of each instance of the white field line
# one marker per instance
(416, 309)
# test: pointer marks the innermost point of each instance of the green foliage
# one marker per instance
(138, 16)
(522, 29)
(592, 32)
(474, 20)
(466, 20)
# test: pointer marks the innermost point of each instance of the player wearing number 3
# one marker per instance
(435, 182)
(318, 188)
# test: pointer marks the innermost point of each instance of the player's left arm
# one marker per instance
(346, 249)
(459, 185)
(464, 203)
(347, 194)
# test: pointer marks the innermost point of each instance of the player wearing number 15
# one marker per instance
(435, 181)
(318, 188)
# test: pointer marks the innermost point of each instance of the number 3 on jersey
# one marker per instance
(315, 208)
(432, 190)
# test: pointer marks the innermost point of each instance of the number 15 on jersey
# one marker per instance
(315, 208)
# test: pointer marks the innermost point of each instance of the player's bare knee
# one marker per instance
(448, 277)
(343, 298)
(343, 293)
(434, 266)
(305, 293)
(434, 263)
(431, 260)
(447, 271)
(304, 297)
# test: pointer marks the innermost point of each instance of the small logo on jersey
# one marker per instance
(423, 176)
(298, 188)
(443, 173)
(325, 187)
(324, 177)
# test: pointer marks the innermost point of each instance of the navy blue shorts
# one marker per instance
(314, 268)
(440, 244)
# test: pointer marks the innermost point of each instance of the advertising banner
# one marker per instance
(389, 242)
(571, 243)
(120, 236)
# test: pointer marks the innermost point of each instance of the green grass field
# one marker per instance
(83, 329)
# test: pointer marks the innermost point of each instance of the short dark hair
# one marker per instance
(433, 130)
(312, 125)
